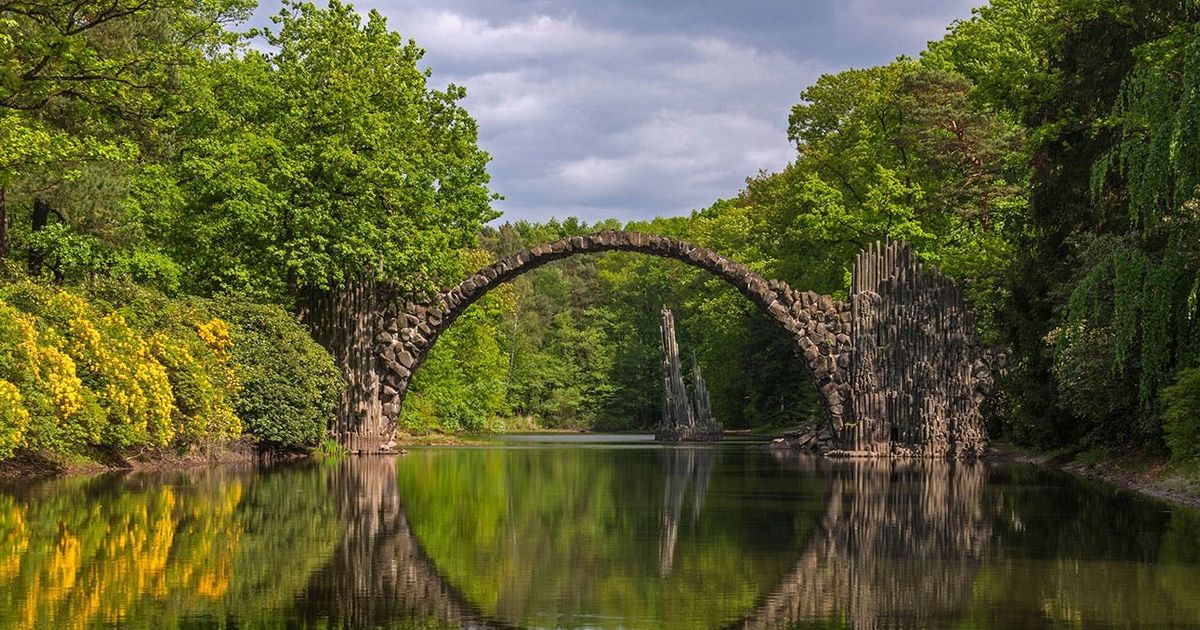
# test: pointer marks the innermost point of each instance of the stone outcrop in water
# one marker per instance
(684, 419)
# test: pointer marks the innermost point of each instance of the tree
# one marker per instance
(323, 158)
(85, 89)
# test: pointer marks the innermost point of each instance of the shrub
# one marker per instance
(196, 350)
(1181, 415)
(290, 384)
(1091, 385)
(128, 366)
(48, 405)
(112, 360)
(13, 419)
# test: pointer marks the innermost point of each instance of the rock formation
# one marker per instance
(684, 419)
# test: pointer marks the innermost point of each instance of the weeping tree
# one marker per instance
(1131, 323)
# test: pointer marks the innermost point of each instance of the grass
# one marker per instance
(330, 449)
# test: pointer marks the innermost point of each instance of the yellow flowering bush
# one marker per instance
(204, 385)
(215, 333)
(13, 419)
(123, 396)
(117, 364)
(126, 367)
(53, 398)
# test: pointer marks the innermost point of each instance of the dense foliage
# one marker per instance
(290, 385)
(77, 371)
(1043, 153)
(151, 151)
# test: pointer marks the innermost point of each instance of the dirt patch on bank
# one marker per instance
(27, 465)
(1153, 477)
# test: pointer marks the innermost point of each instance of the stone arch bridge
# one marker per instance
(898, 365)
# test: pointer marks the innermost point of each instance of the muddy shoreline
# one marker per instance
(34, 465)
(1156, 479)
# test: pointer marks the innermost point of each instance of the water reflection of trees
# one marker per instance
(888, 544)
(684, 468)
(159, 550)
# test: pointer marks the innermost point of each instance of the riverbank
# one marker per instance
(33, 464)
(1151, 475)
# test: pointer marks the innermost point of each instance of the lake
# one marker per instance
(595, 531)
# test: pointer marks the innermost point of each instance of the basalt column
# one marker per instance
(918, 373)
(347, 322)
(683, 420)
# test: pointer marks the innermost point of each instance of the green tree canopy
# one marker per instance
(320, 158)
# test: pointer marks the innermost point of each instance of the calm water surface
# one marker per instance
(595, 531)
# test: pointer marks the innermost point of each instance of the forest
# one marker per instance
(174, 183)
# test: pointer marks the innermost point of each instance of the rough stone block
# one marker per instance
(405, 358)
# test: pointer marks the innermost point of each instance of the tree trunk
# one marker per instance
(41, 217)
(3, 223)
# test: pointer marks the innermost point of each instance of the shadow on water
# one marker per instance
(558, 536)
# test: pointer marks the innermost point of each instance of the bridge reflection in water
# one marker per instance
(907, 543)
(898, 546)
(534, 537)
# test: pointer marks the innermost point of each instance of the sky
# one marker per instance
(634, 109)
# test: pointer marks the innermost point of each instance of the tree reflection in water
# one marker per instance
(596, 537)
(161, 550)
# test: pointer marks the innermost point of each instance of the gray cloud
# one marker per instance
(630, 110)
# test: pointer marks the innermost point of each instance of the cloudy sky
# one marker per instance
(633, 109)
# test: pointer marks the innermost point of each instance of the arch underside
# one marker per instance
(916, 374)
(818, 324)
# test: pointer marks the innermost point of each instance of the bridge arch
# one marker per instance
(818, 324)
